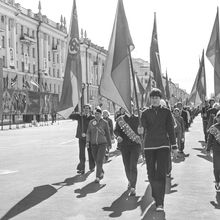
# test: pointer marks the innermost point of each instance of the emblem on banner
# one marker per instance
(74, 46)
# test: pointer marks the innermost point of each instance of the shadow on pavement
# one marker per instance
(114, 153)
(169, 186)
(88, 189)
(203, 155)
(39, 194)
(178, 159)
(72, 180)
(217, 203)
(122, 204)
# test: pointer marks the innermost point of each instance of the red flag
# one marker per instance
(72, 84)
(167, 88)
(213, 54)
(155, 65)
(140, 88)
(115, 81)
(198, 92)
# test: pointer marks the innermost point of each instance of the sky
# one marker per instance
(183, 28)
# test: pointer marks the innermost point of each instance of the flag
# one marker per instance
(213, 54)
(198, 92)
(155, 65)
(115, 82)
(14, 81)
(147, 93)
(167, 89)
(26, 85)
(72, 83)
(34, 83)
(140, 88)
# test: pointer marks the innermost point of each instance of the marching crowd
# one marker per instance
(157, 136)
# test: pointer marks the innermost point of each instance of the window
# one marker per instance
(33, 52)
(9, 42)
(58, 73)
(33, 34)
(28, 50)
(58, 58)
(28, 31)
(54, 91)
(53, 72)
(48, 55)
(4, 61)
(22, 66)
(53, 58)
(16, 47)
(3, 41)
(2, 19)
(22, 49)
(49, 71)
(50, 87)
(22, 30)
(34, 68)
(58, 89)
(48, 40)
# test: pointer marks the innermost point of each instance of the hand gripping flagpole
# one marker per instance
(136, 99)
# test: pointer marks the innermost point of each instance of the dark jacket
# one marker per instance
(211, 111)
(185, 118)
(212, 142)
(158, 127)
(82, 119)
(110, 125)
(98, 132)
(133, 122)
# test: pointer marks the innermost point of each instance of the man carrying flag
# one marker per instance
(72, 84)
(116, 86)
(14, 81)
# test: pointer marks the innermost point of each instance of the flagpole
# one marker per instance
(136, 98)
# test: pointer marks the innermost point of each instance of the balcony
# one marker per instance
(55, 48)
(27, 39)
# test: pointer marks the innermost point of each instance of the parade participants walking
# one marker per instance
(83, 122)
(179, 129)
(212, 113)
(98, 135)
(214, 145)
(184, 115)
(205, 118)
(158, 131)
(105, 115)
(126, 131)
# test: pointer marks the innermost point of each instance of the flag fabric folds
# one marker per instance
(14, 81)
(72, 84)
(198, 92)
(115, 81)
(167, 88)
(213, 54)
(34, 83)
(155, 65)
(140, 88)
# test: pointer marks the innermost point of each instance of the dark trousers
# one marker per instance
(82, 156)
(216, 165)
(169, 166)
(205, 123)
(157, 161)
(130, 155)
(98, 151)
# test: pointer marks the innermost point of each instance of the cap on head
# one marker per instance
(156, 92)
(98, 109)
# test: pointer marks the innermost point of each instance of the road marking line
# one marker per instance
(3, 172)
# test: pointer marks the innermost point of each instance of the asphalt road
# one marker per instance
(38, 180)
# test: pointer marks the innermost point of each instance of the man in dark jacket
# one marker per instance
(83, 122)
(158, 131)
(130, 144)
